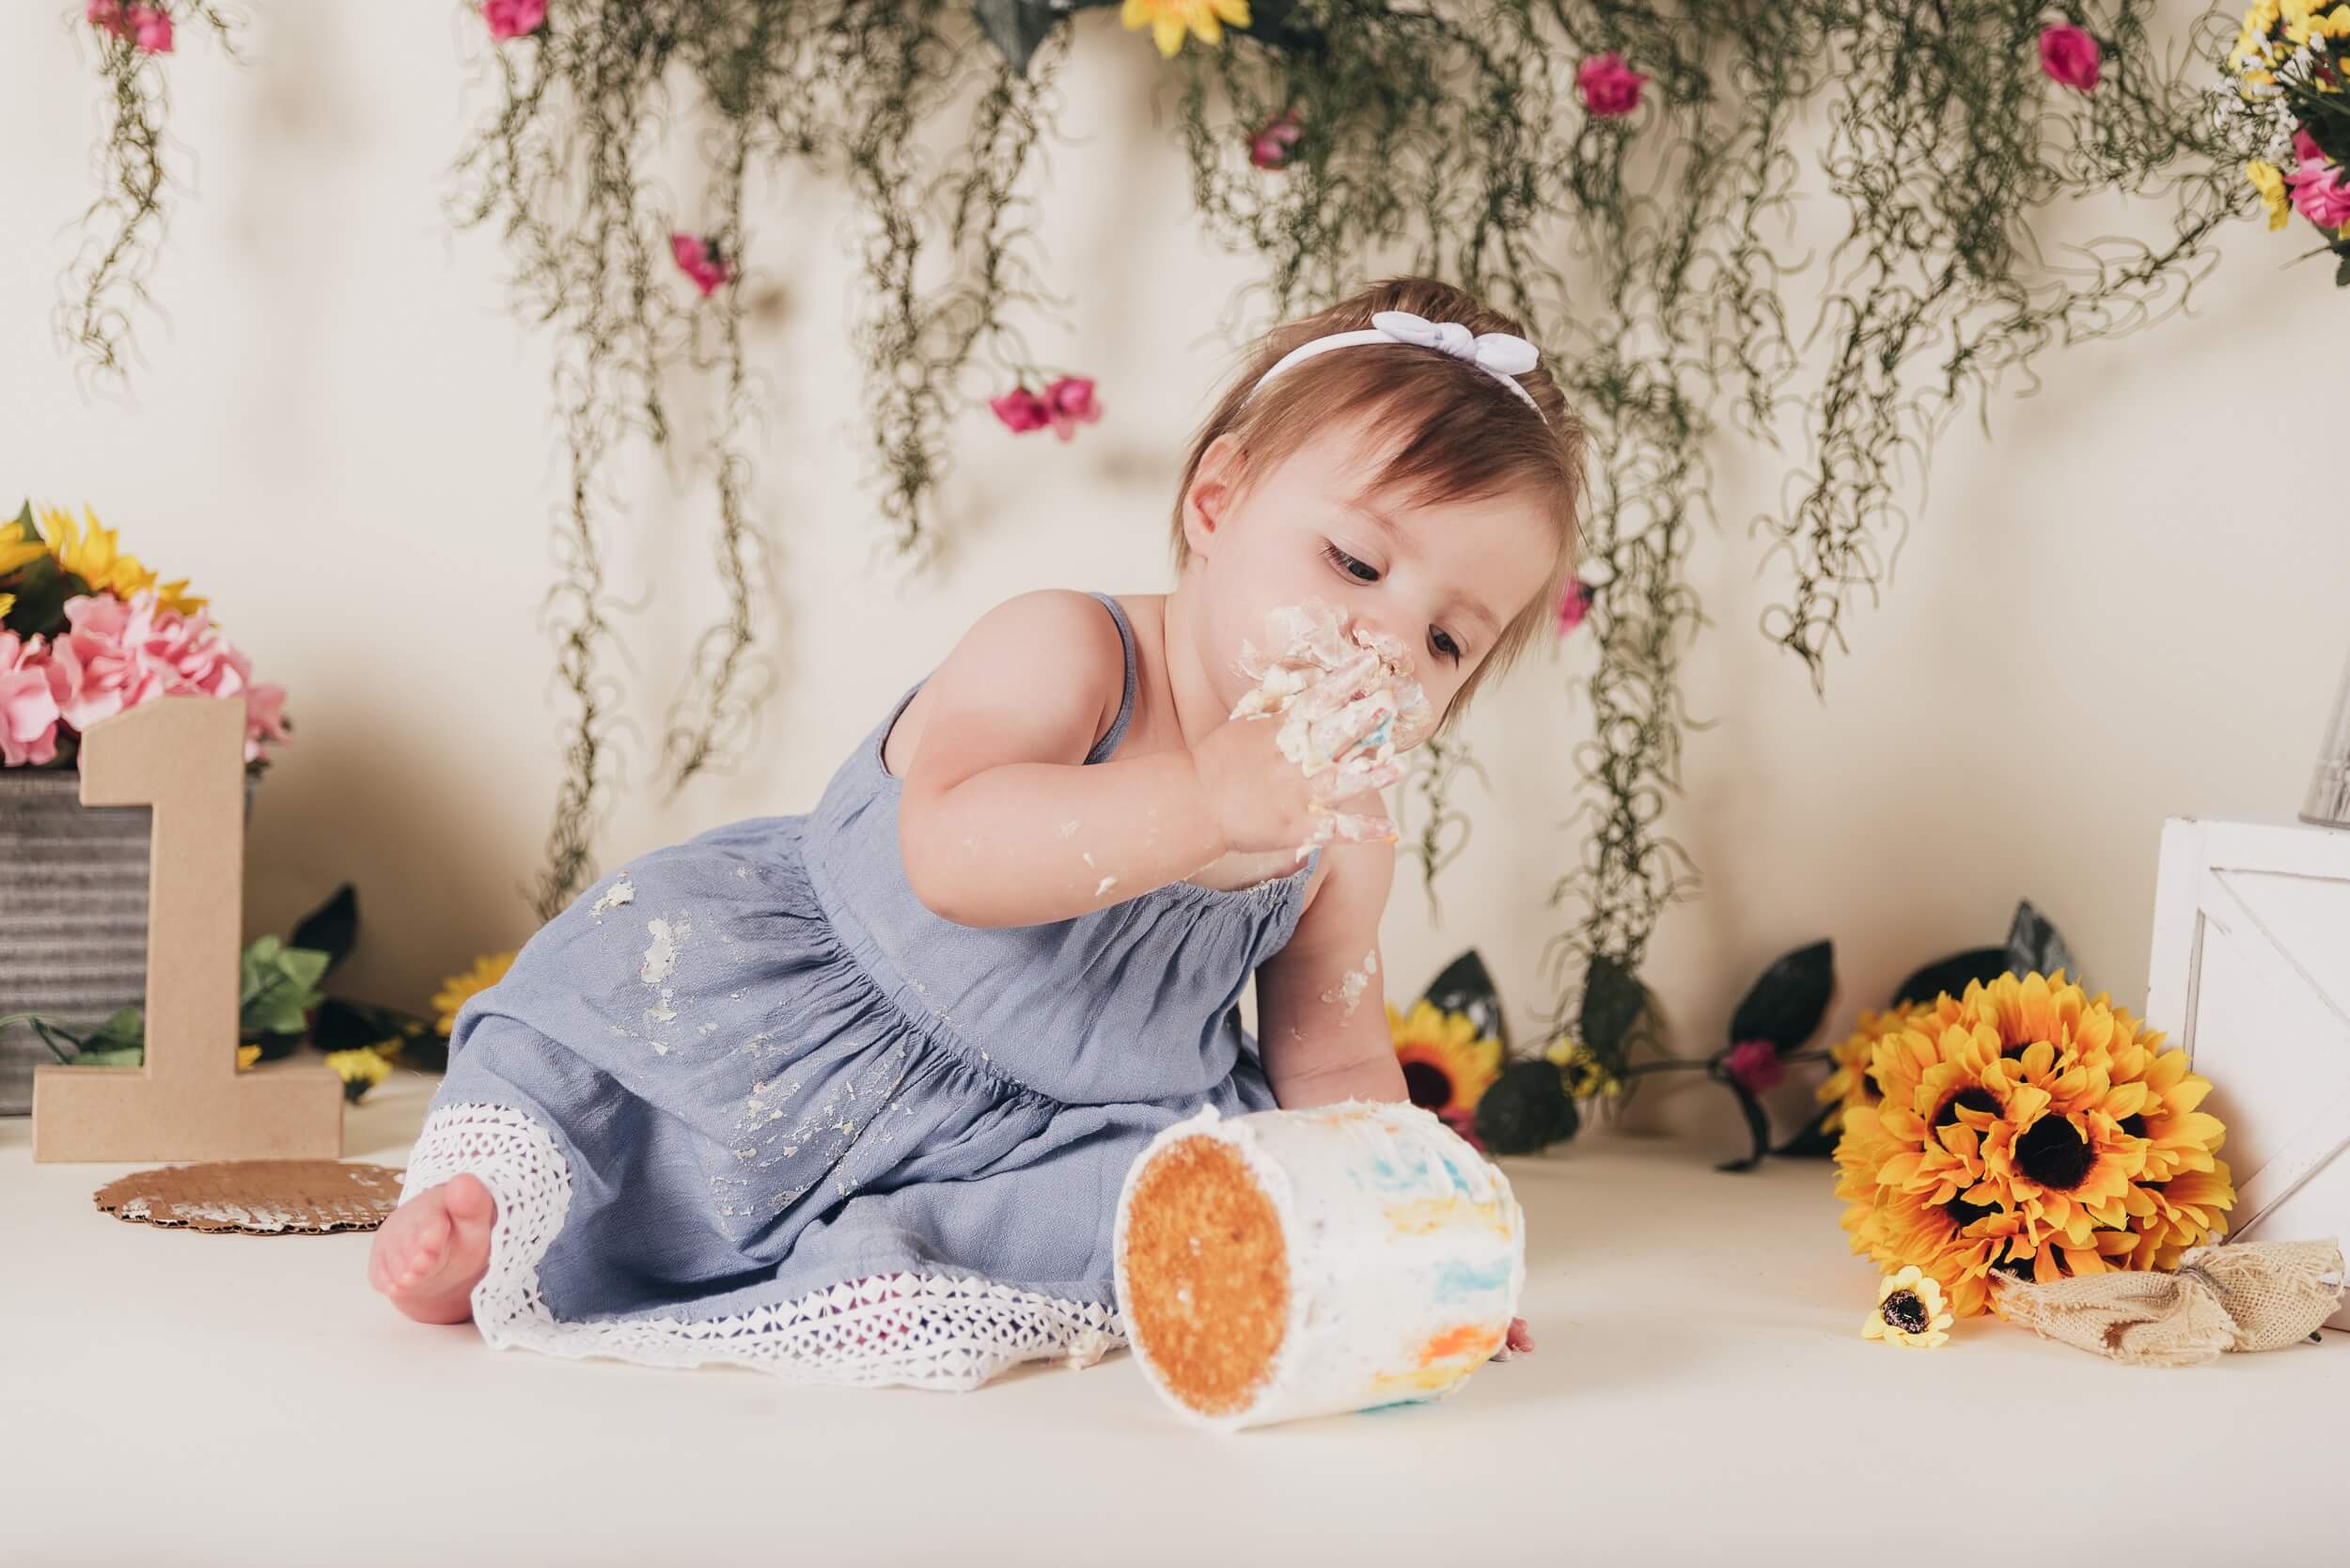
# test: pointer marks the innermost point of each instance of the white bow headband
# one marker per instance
(1500, 354)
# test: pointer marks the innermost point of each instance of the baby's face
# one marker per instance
(1442, 580)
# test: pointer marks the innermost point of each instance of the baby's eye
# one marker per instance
(1441, 640)
(1360, 571)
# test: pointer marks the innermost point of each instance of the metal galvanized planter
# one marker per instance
(72, 913)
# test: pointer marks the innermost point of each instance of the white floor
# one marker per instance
(1701, 1395)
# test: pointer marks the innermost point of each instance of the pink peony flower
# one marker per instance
(1270, 147)
(28, 706)
(150, 29)
(1021, 410)
(699, 259)
(2304, 146)
(2069, 56)
(1573, 603)
(106, 16)
(1069, 402)
(1610, 88)
(513, 19)
(2319, 192)
(116, 655)
(1755, 1064)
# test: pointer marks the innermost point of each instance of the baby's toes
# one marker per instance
(426, 1244)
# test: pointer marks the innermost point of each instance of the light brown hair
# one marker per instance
(1454, 430)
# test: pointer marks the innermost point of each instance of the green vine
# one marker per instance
(124, 225)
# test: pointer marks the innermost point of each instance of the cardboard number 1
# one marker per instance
(185, 756)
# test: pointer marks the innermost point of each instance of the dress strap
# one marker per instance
(1104, 747)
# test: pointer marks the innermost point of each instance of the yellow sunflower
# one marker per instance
(1170, 19)
(1852, 1084)
(2031, 1128)
(1909, 1311)
(459, 988)
(99, 559)
(1446, 1066)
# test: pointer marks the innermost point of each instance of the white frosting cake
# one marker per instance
(1308, 1263)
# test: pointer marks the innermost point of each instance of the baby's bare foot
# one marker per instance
(435, 1250)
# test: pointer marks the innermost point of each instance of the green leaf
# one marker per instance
(332, 927)
(303, 968)
(2342, 274)
(128, 1027)
(1466, 987)
(1786, 1005)
(1526, 1111)
(1951, 975)
(125, 1056)
(1015, 28)
(1613, 1002)
(1758, 1126)
(2034, 944)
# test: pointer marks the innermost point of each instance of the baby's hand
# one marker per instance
(1262, 800)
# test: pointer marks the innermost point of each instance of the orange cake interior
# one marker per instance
(1207, 1274)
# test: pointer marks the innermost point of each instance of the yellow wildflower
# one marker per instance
(360, 1071)
(247, 1056)
(1580, 1070)
(1169, 20)
(2270, 182)
(2332, 24)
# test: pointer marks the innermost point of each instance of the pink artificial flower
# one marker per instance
(699, 259)
(2069, 56)
(1755, 1064)
(1610, 88)
(28, 706)
(118, 655)
(2304, 146)
(513, 19)
(1069, 402)
(150, 29)
(1573, 603)
(106, 16)
(1270, 147)
(2320, 194)
(1465, 1123)
(1021, 410)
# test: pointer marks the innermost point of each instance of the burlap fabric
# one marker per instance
(2248, 1295)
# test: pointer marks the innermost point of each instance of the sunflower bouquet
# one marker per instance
(2285, 95)
(2027, 1128)
(87, 631)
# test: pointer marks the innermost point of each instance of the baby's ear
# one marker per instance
(1214, 486)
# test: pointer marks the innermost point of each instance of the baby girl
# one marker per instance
(849, 1096)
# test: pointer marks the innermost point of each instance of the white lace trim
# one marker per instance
(923, 1331)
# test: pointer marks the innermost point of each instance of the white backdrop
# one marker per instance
(2128, 602)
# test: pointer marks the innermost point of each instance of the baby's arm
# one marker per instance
(1000, 825)
(1321, 1011)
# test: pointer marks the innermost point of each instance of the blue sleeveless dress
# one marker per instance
(749, 1100)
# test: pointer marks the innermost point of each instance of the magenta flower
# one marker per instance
(2304, 146)
(514, 19)
(1021, 410)
(2320, 194)
(150, 29)
(28, 706)
(1069, 402)
(1271, 147)
(1573, 603)
(116, 655)
(2069, 56)
(1755, 1064)
(1610, 88)
(700, 261)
